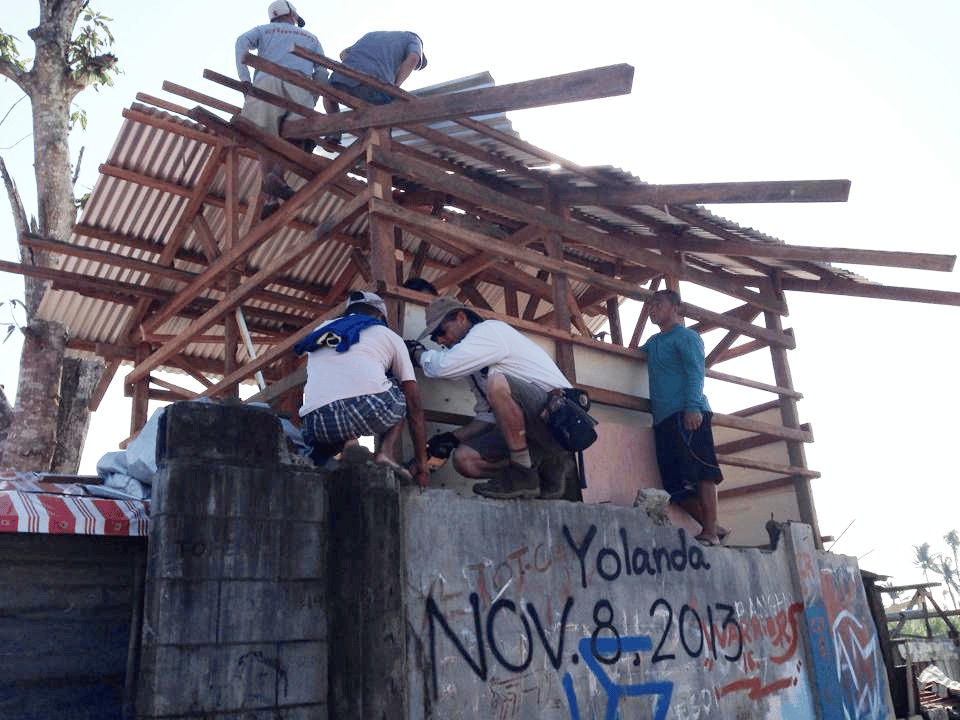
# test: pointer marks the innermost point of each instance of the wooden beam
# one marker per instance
(415, 220)
(756, 426)
(403, 164)
(745, 382)
(805, 253)
(235, 297)
(837, 286)
(258, 234)
(572, 87)
(754, 464)
(711, 193)
(735, 246)
(189, 94)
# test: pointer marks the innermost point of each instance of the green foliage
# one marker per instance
(10, 53)
(88, 65)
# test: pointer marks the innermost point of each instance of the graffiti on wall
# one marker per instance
(598, 628)
(846, 653)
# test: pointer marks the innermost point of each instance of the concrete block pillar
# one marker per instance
(235, 621)
(367, 565)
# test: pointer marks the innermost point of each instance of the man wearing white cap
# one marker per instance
(275, 42)
(348, 393)
(511, 377)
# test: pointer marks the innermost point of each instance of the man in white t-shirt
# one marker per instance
(511, 377)
(349, 394)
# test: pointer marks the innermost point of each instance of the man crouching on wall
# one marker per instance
(510, 376)
(348, 393)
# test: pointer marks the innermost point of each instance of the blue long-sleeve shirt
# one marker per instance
(275, 42)
(675, 362)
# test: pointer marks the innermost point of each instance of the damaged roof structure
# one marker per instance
(171, 268)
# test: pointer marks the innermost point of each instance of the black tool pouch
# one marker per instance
(569, 423)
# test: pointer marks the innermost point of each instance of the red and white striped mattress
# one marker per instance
(30, 505)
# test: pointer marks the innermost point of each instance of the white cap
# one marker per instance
(279, 8)
(367, 298)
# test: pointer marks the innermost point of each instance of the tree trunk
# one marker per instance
(78, 381)
(31, 437)
(32, 441)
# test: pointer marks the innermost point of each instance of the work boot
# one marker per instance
(275, 187)
(556, 473)
(516, 481)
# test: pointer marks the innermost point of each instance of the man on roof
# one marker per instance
(275, 42)
(388, 55)
(511, 377)
(349, 391)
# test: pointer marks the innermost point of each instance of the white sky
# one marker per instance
(741, 90)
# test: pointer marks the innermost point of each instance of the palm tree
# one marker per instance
(924, 560)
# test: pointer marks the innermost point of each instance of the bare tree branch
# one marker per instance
(16, 204)
(7, 114)
(76, 170)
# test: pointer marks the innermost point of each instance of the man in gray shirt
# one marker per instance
(387, 55)
(275, 42)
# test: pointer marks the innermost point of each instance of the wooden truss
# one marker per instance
(179, 272)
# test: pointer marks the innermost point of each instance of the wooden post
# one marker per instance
(791, 419)
(141, 393)
(613, 315)
(231, 332)
(561, 308)
(382, 241)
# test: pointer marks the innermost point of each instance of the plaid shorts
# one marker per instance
(354, 417)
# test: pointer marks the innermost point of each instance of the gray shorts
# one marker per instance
(491, 443)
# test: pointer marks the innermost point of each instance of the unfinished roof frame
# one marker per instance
(457, 200)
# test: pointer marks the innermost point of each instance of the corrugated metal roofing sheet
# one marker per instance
(159, 161)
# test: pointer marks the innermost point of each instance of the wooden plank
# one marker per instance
(480, 241)
(753, 464)
(777, 191)
(733, 243)
(836, 286)
(799, 253)
(234, 298)
(201, 98)
(274, 391)
(755, 488)
(250, 89)
(756, 426)
(511, 141)
(745, 382)
(522, 325)
(258, 234)
(613, 317)
(572, 87)
(618, 247)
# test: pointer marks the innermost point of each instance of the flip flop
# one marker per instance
(398, 469)
(708, 540)
(722, 533)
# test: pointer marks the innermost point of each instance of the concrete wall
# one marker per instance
(236, 586)
(65, 610)
(442, 607)
(559, 610)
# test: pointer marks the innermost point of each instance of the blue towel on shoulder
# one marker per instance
(340, 333)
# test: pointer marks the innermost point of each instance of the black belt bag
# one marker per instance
(565, 415)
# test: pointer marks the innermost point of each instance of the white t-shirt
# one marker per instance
(494, 345)
(361, 370)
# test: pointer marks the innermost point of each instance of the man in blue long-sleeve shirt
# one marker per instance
(681, 416)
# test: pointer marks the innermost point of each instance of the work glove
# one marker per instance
(414, 347)
(442, 444)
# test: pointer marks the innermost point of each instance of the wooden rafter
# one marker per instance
(572, 87)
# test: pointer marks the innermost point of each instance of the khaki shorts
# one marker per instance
(491, 443)
(269, 116)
